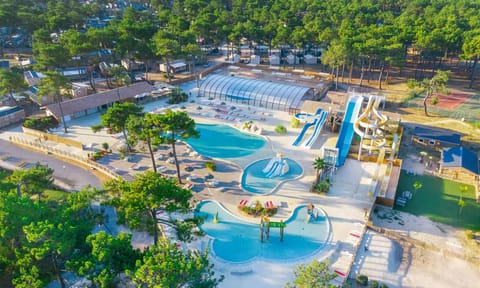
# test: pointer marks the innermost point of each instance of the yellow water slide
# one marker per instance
(369, 125)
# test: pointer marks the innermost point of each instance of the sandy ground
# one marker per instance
(345, 206)
(404, 265)
(401, 264)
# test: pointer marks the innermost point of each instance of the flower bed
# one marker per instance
(257, 209)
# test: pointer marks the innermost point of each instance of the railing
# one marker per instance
(359, 243)
(37, 145)
(51, 137)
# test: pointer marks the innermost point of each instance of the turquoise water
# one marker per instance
(222, 141)
(254, 180)
(235, 240)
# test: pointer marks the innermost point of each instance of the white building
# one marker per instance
(174, 67)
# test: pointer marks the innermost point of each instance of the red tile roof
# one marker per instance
(73, 106)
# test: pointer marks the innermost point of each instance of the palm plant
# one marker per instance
(461, 203)
(319, 165)
(417, 185)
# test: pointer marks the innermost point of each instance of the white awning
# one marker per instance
(178, 65)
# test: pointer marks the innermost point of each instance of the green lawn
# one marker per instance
(438, 200)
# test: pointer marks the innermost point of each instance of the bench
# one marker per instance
(401, 202)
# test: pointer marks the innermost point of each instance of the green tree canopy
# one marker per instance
(105, 258)
(165, 265)
(115, 118)
(12, 81)
(37, 237)
(138, 200)
(57, 86)
(433, 86)
(145, 128)
(34, 180)
(314, 275)
(177, 125)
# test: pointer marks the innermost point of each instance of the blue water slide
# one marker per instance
(305, 128)
(277, 170)
(346, 131)
(272, 170)
(316, 132)
(302, 133)
(269, 165)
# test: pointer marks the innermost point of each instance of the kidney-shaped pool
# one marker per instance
(236, 240)
(222, 141)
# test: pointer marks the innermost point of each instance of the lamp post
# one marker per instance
(193, 57)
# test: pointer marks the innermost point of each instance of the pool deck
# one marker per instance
(344, 204)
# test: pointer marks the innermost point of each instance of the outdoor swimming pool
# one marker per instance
(222, 141)
(237, 241)
(254, 180)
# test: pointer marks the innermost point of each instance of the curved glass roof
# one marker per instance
(270, 95)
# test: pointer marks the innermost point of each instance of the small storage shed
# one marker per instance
(274, 59)
(254, 59)
(310, 59)
(459, 163)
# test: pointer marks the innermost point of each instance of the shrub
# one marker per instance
(177, 96)
(270, 211)
(323, 186)
(211, 165)
(281, 130)
(258, 210)
(294, 122)
(41, 124)
(105, 146)
(122, 152)
(374, 284)
(362, 279)
(411, 95)
(96, 155)
(383, 285)
(412, 83)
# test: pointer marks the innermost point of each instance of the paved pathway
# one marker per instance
(66, 175)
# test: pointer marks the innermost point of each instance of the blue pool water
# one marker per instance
(222, 141)
(254, 180)
(235, 240)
